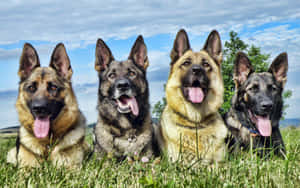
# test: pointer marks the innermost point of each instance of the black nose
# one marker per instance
(40, 106)
(196, 69)
(266, 105)
(123, 84)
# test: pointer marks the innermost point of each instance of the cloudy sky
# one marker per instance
(272, 25)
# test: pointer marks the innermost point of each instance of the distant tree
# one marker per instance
(258, 59)
(287, 94)
(234, 45)
(159, 107)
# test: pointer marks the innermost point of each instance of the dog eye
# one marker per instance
(31, 88)
(254, 88)
(205, 65)
(53, 87)
(271, 88)
(186, 63)
(112, 75)
(131, 73)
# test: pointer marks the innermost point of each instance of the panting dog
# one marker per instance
(52, 127)
(190, 125)
(124, 127)
(257, 106)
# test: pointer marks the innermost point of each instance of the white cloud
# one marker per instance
(44, 51)
(158, 60)
(293, 102)
(276, 40)
(76, 21)
(9, 54)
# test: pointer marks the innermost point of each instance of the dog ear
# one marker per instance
(60, 61)
(279, 68)
(242, 69)
(213, 46)
(28, 62)
(103, 56)
(180, 46)
(139, 53)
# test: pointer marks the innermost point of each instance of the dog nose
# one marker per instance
(266, 105)
(196, 69)
(123, 84)
(39, 106)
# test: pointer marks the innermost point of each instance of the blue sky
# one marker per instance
(272, 25)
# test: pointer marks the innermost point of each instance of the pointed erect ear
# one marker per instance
(279, 68)
(60, 61)
(29, 60)
(139, 53)
(180, 46)
(103, 56)
(242, 69)
(213, 46)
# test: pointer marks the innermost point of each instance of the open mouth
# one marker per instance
(44, 112)
(41, 127)
(262, 123)
(195, 93)
(127, 104)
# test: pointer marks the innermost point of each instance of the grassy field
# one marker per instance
(245, 170)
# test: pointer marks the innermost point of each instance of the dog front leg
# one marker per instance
(104, 139)
(277, 142)
(24, 158)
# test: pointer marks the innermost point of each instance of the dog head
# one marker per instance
(195, 79)
(44, 91)
(259, 94)
(123, 82)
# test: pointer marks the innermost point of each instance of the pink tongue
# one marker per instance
(196, 94)
(41, 127)
(264, 126)
(133, 106)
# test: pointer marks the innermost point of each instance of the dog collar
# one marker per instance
(253, 133)
(190, 127)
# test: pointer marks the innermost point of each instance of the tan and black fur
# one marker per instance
(120, 132)
(46, 92)
(194, 130)
(257, 94)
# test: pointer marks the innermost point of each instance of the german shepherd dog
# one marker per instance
(190, 125)
(52, 127)
(124, 126)
(257, 105)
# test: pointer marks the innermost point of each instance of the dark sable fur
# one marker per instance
(110, 115)
(114, 129)
(252, 91)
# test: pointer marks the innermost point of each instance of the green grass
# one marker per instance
(245, 170)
